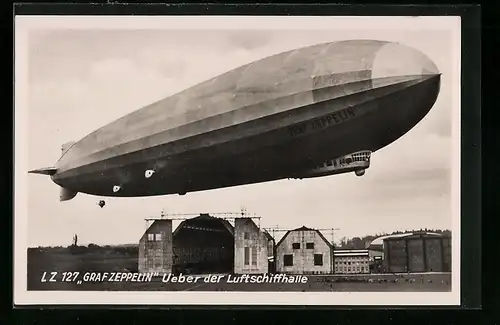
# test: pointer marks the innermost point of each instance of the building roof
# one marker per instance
(158, 223)
(350, 252)
(252, 223)
(204, 220)
(268, 235)
(156, 226)
(376, 247)
(304, 228)
(380, 240)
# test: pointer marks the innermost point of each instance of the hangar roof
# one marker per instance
(380, 240)
(205, 221)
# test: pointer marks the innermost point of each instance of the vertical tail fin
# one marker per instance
(66, 146)
(66, 194)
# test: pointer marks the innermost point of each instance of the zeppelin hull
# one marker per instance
(367, 121)
(264, 121)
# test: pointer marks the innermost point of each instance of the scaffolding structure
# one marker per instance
(230, 216)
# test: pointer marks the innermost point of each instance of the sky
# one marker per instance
(80, 80)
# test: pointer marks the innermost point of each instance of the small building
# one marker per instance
(376, 253)
(203, 244)
(417, 252)
(376, 256)
(155, 248)
(351, 261)
(252, 247)
(376, 247)
(304, 251)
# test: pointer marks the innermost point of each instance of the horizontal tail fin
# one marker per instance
(44, 171)
(66, 194)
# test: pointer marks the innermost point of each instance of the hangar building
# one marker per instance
(304, 251)
(417, 252)
(203, 244)
(206, 244)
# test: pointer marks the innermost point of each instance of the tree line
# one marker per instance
(364, 242)
(90, 248)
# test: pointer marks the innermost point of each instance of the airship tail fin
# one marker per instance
(66, 194)
(65, 147)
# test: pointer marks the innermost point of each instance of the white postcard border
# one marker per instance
(24, 297)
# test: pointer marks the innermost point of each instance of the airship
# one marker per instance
(309, 112)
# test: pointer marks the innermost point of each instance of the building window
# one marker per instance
(247, 256)
(254, 255)
(296, 245)
(310, 245)
(158, 237)
(151, 237)
(246, 235)
(318, 259)
(288, 260)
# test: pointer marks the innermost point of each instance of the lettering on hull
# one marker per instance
(295, 130)
(322, 122)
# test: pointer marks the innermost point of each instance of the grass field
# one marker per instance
(111, 261)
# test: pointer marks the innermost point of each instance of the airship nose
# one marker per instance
(413, 80)
(395, 60)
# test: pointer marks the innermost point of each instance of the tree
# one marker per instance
(343, 242)
(357, 243)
